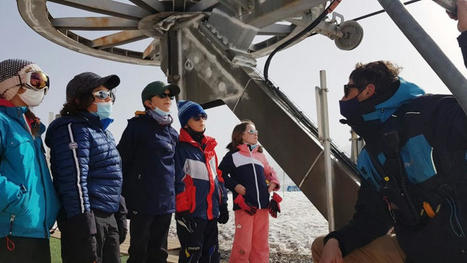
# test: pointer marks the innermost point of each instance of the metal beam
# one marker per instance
(152, 49)
(429, 50)
(107, 7)
(271, 11)
(150, 5)
(203, 5)
(179, 5)
(94, 23)
(276, 29)
(117, 39)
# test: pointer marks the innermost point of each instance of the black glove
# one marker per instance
(274, 206)
(120, 217)
(224, 214)
(186, 220)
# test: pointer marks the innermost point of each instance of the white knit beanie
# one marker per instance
(11, 68)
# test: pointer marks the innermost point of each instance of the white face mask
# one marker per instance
(31, 97)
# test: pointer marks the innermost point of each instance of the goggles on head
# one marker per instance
(103, 94)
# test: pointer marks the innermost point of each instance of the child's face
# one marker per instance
(250, 135)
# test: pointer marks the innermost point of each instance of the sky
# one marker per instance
(294, 70)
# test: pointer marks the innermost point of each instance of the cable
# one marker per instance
(328, 10)
(381, 11)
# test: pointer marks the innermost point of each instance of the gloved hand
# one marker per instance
(186, 220)
(240, 201)
(224, 214)
(274, 206)
(120, 217)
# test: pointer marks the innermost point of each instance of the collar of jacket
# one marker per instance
(17, 113)
(243, 148)
(91, 118)
(208, 141)
(407, 91)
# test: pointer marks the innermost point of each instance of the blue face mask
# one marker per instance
(104, 109)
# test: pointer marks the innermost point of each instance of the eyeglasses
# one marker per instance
(347, 88)
(36, 80)
(165, 95)
(199, 117)
(253, 131)
(103, 95)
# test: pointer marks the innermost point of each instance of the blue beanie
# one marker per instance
(188, 109)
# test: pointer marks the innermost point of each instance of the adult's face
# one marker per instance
(352, 91)
(159, 102)
(98, 97)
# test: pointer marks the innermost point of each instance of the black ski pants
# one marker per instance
(148, 238)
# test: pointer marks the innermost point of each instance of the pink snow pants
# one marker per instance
(251, 237)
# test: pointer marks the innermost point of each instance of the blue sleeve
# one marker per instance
(462, 39)
(125, 149)
(69, 151)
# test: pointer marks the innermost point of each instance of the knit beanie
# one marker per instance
(188, 109)
(11, 68)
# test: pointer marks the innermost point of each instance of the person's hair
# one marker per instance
(77, 104)
(237, 135)
(35, 126)
(383, 74)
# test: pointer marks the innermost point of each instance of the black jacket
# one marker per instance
(434, 151)
(147, 150)
(462, 39)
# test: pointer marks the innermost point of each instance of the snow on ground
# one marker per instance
(292, 232)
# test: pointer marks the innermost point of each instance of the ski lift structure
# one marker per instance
(209, 49)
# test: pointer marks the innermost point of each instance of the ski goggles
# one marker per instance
(36, 80)
(104, 94)
(200, 117)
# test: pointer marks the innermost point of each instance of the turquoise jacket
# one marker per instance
(28, 203)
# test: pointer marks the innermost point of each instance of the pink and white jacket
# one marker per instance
(252, 170)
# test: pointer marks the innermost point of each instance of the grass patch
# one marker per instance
(55, 251)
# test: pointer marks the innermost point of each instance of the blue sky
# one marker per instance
(295, 70)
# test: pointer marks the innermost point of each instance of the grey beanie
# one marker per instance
(11, 67)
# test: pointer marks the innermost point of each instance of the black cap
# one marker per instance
(87, 81)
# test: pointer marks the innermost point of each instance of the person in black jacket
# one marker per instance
(147, 148)
(412, 172)
(86, 169)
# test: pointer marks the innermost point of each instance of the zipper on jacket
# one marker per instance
(256, 180)
(12, 220)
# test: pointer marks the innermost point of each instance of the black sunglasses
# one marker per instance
(165, 95)
(199, 117)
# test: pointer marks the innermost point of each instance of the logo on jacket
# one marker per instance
(73, 145)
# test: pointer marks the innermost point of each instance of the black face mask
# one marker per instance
(353, 110)
(350, 109)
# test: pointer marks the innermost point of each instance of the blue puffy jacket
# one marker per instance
(147, 150)
(85, 164)
(199, 185)
(28, 203)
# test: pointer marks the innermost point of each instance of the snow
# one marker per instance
(292, 232)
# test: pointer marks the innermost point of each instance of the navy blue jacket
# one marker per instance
(147, 149)
(199, 184)
(462, 39)
(252, 170)
(433, 152)
(85, 163)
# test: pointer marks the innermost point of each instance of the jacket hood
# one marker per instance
(406, 92)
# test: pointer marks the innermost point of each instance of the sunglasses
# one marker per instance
(36, 80)
(165, 95)
(199, 117)
(253, 131)
(103, 95)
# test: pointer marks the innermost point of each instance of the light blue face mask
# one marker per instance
(161, 112)
(104, 110)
